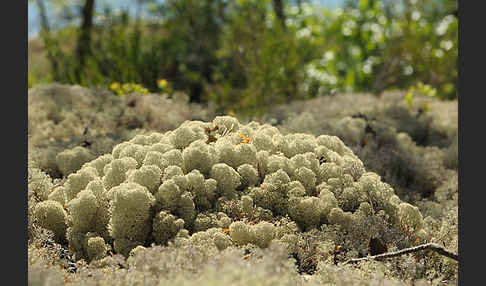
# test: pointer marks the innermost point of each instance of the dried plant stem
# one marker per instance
(428, 246)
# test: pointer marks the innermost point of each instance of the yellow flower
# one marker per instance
(162, 83)
(127, 87)
(115, 86)
(244, 139)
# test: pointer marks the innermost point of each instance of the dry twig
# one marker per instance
(428, 246)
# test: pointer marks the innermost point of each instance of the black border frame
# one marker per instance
(14, 24)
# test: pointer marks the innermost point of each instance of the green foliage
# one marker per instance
(260, 61)
(372, 47)
(32, 80)
(420, 88)
(239, 54)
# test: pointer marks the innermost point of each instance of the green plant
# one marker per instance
(383, 48)
(420, 88)
(245, 55)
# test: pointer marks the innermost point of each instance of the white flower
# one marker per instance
(329, 55)
(415, 15)
(367, 68)
(307, 9)
(408, 70)
(305, 32)
(446, 45)
(346, 31)
(289, 22)
(444, 25)
(439, 53)
(355, 51)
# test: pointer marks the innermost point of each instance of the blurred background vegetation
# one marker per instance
(243, 55)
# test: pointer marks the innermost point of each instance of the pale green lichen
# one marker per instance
(131, 216)
(199, 156)
(51, 215)
(166, 227)
(115, 171)
(211, 237)
(96, 248)
(193, 183)
(82, 210)
(71, 160)
(148, 176)
(78, 181)
(260, 234)
(206, 221)
(100, 163)
(57, 195)
(228, 179)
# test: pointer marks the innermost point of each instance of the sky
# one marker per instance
(33, 14)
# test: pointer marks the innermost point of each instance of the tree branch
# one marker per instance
(83, 48)
(279, 11)
(428, 246)
(51, 45)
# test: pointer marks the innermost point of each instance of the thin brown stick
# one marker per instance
(428, 246)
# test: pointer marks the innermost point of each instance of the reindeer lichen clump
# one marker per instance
(225, 183)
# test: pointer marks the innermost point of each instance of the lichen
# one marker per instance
(201, 179)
